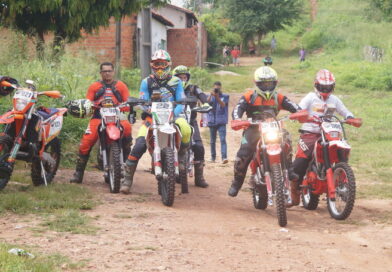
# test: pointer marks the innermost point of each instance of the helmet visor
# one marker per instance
(266, 85)
(325, 88)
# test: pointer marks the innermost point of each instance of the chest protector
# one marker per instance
(257, 105)
(153, 84)
(108, 90)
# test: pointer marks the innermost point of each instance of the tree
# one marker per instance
(384, 5)
(258, 17)
(65, 18)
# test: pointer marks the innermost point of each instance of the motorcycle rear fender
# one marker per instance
(7, 117)
(113, 132)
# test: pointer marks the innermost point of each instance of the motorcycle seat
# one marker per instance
(48, 112)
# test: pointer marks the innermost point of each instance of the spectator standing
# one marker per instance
(217, 120)
(273, 44)
(235, 54)
(226, 55)
(302, 54)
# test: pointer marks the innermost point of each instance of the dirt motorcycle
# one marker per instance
(329, 171)
(188, 163)
(271, 185)
(163, 143)
(111, 139)
(30, 134)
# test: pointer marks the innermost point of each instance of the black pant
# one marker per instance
(197, 143)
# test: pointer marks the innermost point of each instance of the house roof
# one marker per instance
(161, 19)
(187, 11)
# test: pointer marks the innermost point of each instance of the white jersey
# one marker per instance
(315, 106)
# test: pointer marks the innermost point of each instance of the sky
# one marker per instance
(179, 3)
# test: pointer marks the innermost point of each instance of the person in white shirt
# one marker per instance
(315, 103)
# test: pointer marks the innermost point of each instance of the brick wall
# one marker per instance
(103, 42)
(182, 46)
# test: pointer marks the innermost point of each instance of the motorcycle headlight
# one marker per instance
(271, 136)
(20, 104)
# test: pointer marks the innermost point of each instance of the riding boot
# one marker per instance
(239, 177)
(199, 177)
(295, 194)
(126, 147)
(130, 168)
(80, 167)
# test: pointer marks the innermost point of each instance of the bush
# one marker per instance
(201, 77)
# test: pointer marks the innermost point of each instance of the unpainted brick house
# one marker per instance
(173, 28)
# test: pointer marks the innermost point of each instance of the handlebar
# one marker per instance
(137, 101)
(355, 122)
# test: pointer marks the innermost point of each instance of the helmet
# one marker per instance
(266, 79)
(324, 83)
(4, 90)
(267, 60)
(80, 108)
(182, 69)
(161, 64)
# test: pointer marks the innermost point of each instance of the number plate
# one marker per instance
(23, 94)
(331, 126)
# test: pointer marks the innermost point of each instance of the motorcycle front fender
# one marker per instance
(7, 118)
(113, 132)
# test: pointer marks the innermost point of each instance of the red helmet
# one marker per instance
(324, 83)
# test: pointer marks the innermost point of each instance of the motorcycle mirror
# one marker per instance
(355, 122)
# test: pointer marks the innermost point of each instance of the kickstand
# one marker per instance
(43, 173)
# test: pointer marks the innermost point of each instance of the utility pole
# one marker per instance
(145, 48)
(118, 49)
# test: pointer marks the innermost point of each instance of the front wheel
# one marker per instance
(344, 179)
(5, 169)
(50, 161)
(168, 182)
(280, 200)
(114, 163)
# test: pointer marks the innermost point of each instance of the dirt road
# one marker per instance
(206, 230)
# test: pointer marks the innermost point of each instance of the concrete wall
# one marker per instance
(158, 33)
(178, 18)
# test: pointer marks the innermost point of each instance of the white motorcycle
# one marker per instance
(163, 142)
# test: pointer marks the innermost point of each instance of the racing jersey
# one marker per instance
(171, 90)
(315, 106)
(254, 105)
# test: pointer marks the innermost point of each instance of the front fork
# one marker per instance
(329, 172)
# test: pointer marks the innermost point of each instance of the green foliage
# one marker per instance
(218, 35)
(69, 221)
(251, 17)
(131, 77)
(385, 7)
(201, 77)
(65, 18)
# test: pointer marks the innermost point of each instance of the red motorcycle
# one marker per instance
(30, 134)
(329, 171)
(271, 182)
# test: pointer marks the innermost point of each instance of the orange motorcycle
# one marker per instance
(30, 134)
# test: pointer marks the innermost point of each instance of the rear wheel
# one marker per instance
(50, 161)
(168, 182)
(277, 180)
(344, 179)
(114, 163)
(5, 169)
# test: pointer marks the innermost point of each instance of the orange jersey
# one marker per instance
(98, 88)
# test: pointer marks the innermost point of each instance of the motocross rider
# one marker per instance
(263, 98)
(197, 144)
(107, 88)
(171, 89)
(315, 103)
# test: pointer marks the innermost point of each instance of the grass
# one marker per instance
(41, 263)
(59, 204)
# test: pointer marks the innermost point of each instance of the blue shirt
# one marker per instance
(218, 115)
(166, 95)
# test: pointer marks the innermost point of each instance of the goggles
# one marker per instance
(159, 64)
(325, 88)
(266, 85)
